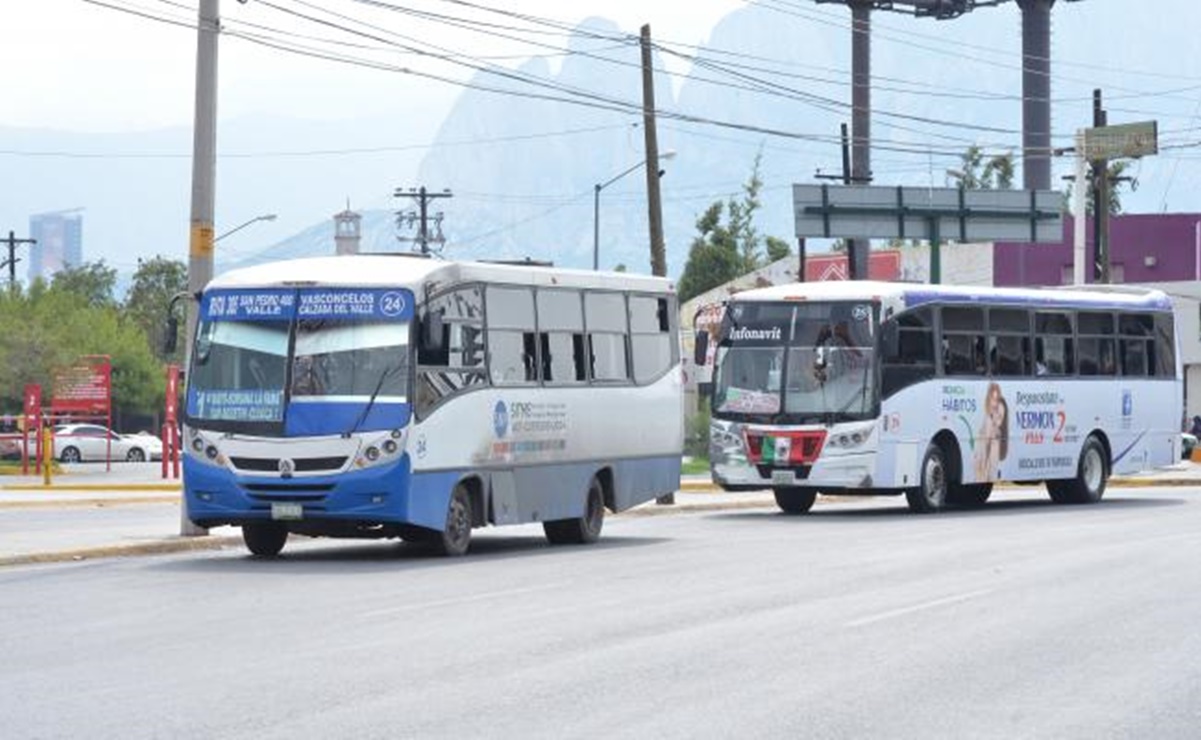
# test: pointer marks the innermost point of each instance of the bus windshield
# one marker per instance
(239, 371)
(351, 359)
(301, 362)
(797, 363)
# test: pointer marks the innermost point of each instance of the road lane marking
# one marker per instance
(919, 607)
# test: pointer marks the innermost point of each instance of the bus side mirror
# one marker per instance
(432, 332)
(701, 349)
(171, 336)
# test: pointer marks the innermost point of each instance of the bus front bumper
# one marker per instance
(386, 494)
(841, 472)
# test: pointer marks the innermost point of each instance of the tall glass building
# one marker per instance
(59, 236)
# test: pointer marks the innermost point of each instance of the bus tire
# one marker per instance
(969, 496)
(1092, 475)
(264, 539)
(582, 530)
(930, 494)
(455, 537)
(795, 500)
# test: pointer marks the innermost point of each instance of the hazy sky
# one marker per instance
(81, 66)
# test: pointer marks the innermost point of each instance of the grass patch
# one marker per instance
(695, 466)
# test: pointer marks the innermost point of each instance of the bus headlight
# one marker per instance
(205, 451)
(849, 439)
(381, 450)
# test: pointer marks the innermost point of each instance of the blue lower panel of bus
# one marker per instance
(387, 494)
(393, 494)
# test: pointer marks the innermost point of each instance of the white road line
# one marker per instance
(918, 607)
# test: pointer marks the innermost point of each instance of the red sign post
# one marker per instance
(31, 421)
(171, 423)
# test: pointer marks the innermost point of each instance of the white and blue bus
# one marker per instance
(399, 396)
(938, 392)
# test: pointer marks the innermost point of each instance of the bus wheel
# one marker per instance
(455, 538)
(1092, 475)
(931, 493)
(969, 496)
(584, 530)
(795, 500)
(265, 539)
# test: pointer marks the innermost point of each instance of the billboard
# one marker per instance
(857, 212)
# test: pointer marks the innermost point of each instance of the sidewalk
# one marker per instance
(133, 511)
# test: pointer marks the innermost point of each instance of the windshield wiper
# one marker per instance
(387, 373)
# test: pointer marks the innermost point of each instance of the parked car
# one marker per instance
(82, 442)
(1187, 443)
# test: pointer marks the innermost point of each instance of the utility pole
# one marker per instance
(422, 218)
(12, 260)
(858, 250)
(653, 203)
(1100, 201)
(204, 176)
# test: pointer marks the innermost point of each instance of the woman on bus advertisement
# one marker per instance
(992, 442)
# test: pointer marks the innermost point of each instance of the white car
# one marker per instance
(81, 442)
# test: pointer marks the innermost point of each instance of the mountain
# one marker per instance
(523, 169)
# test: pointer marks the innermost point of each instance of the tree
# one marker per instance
(92, 281)
(975, 173)
(777, 249)
(724, 251)
(47, 329)
(155, 283)
(1117, 178)
(713, 258)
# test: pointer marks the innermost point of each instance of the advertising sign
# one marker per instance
(83, 389)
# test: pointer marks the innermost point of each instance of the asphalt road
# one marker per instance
(861, 620)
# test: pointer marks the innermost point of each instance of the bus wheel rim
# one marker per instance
(1092, 469)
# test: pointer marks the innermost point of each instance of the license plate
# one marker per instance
(286, 511)
(783, 477)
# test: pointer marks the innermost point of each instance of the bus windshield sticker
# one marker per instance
(263, 304)
(355, 303)
(237, 405)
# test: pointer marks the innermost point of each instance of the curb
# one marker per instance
(62, 503)
(92, 487)
(153, 547)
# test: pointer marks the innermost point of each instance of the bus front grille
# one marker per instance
(302, 464)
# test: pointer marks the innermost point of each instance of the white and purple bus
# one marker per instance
(397, 396)
(938, 392)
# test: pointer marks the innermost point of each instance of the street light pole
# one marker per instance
(596, 191)
(239, 227)
(204, 174)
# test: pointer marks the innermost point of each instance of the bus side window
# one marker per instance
(652, 338)
(911, 359)
(1165, 346)
(608, 330)
(964, 350)
(1054, 348)
(512, 348)
(459, 364)
(1136, 346)
(561, 327)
